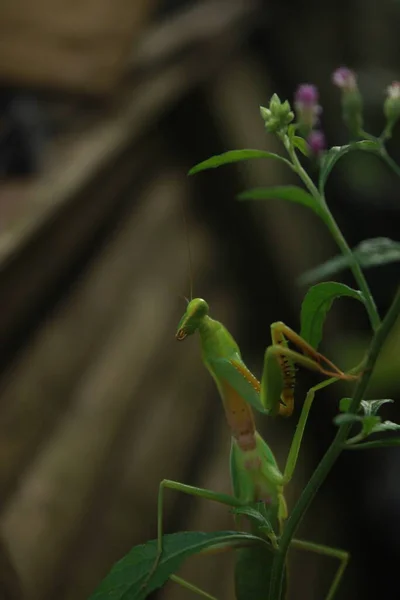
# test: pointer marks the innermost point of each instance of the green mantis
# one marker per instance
(257, 482)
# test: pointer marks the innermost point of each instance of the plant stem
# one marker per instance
(354, 266)
(337, 235)
(389, 161)
(331, 454)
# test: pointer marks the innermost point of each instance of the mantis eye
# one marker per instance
(181, 335)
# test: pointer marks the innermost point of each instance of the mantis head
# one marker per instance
(195, 312)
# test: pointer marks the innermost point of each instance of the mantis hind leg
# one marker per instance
(192, 588)
(191, 491)
(337, 553)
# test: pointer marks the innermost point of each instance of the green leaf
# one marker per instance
(291, 131)
(374, 444)
(385, 426)
(233, 156)
(257, 517)
(326, 269)
(347, 418)
(344, 404)
(369, 424)
(371, 407)
(301, 144)
(316, 305)
(292, 193)
(334, 154)
(127, 579)
(377, 251)
(369, 253)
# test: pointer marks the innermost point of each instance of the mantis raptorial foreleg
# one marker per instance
(293, 454)
(279, 367)
(278, 377)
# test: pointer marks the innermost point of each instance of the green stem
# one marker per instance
(336, 234)
(389, 161)
(331, 454)
(354, 266)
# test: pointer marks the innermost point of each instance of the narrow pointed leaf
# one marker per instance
(301, 144)
(292, 193)
(233, 156)
(385, 443)
(369, 253)
(256, 516)
(316, 304)
(371, 407)
(385, 426)
(127, 579)
(334, 154)
(327, 269)
(377, 251)
(347, 418)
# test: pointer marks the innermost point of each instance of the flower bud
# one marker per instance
(345, 79)
(278, 116)
(307, 107)
(391, 107)
(265, 113)
(316, 142)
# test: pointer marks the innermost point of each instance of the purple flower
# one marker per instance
(351, 100)
(306, 95)
(306, 105)
(345, 79)
(316, 142)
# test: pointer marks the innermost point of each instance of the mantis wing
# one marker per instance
(235, 372)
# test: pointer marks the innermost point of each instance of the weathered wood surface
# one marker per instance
(90, 387)
(97, 377)
(98, 402)
(80, 47)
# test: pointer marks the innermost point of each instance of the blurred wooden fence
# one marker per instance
(98, 402)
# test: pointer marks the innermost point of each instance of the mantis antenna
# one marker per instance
(189, 254)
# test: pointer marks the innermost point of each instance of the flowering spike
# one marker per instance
(391, 107)
(345, 79)
(316, 142)
(307, 108)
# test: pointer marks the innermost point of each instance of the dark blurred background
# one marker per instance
(104, 106)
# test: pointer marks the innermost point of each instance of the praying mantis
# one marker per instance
(257, 482)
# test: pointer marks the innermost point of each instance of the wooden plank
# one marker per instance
(46, 512)
(78, 159)
(29, 276)
(39, 385)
